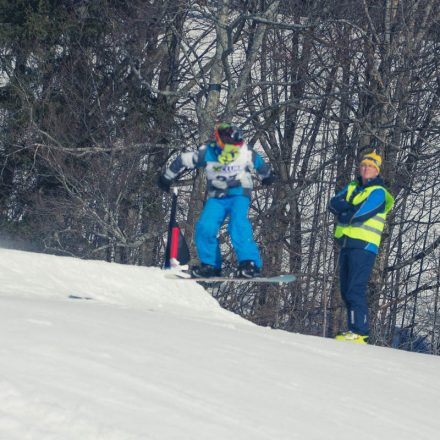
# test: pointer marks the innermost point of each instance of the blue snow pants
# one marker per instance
(355, 269)
(212, 218)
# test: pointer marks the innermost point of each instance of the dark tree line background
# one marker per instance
(96, 96)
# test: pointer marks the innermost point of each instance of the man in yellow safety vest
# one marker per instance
(361, 209)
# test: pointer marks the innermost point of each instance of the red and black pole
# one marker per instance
(176, 249)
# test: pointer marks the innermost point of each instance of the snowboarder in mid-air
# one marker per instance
(361, 209)
(228, 162)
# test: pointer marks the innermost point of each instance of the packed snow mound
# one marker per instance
(153, 359)
(33, 274)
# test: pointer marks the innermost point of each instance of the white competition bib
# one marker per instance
(231, 171)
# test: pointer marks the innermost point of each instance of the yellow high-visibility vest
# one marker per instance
(371, 229)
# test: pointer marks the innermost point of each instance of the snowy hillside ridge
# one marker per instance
(153, 359)
(31, 274)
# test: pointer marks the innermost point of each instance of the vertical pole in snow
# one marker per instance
(173, 233)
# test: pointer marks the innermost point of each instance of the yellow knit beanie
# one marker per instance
(373, 159)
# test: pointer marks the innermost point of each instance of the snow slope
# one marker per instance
(150, 358)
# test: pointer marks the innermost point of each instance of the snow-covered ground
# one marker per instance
(149, 358)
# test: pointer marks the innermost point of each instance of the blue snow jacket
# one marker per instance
(232, 179)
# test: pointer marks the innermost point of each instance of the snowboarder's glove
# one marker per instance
(164, 184)
(268, 180)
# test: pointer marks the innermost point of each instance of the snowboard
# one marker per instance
(273, 279)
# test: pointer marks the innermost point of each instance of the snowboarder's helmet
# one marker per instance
(226, 133)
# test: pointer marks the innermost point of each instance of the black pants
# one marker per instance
(355, 269)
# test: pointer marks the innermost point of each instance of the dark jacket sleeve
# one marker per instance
(263, 168)
(185, 161)
(338, 204)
